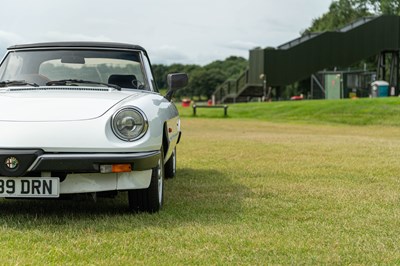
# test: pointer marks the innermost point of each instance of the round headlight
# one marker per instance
(129, 124)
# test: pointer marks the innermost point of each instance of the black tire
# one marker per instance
(149, 199)
(170, 166)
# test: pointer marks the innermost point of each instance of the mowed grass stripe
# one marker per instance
(363, 111)
(246, 192)
(322, 187)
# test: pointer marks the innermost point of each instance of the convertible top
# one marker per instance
(77, 45)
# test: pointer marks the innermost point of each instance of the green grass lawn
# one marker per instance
(382, 111)
(248, 191)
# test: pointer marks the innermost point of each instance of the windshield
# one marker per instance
(121, 68)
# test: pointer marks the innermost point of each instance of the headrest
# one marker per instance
(124, 81)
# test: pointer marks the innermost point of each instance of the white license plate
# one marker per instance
(29, 187)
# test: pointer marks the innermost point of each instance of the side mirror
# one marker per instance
(175, 81)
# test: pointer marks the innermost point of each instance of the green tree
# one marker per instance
(159, 72)
(204, 81)
(341, 13)
(232, 66)
(390, 7)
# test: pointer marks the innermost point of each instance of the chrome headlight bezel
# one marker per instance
(141, 120)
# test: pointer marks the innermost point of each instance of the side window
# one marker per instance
(147, 67)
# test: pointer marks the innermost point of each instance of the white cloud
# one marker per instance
(167, 55)
(241, 45)
(65, 36)
(7, 39)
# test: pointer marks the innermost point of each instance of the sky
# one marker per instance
(172, 31)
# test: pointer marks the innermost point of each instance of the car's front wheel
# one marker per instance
(149, 199)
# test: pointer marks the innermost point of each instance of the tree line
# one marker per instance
(203, 80)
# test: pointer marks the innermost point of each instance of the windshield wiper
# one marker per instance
(69, 81)
(8, 83)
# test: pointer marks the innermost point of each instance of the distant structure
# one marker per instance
(309, 55)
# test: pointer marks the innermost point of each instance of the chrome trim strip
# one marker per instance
(91, 156)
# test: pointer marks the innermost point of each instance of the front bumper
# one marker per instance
(31, 161)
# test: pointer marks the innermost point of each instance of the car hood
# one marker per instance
(66, 104)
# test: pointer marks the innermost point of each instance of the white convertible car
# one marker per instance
(86, 117)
